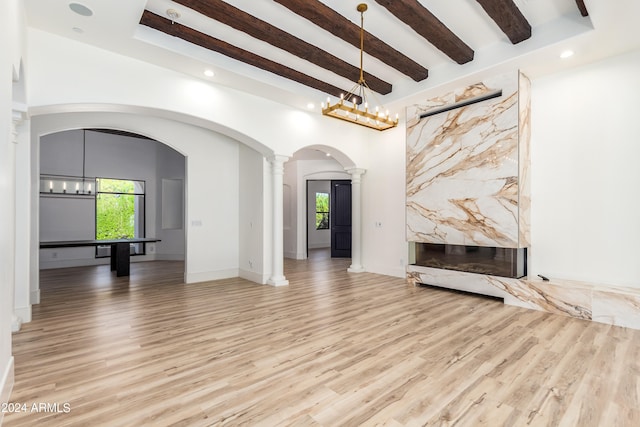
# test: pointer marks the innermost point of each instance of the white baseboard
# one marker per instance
(34, 297)
(23, 313)
(254, 277)
(6, 385)
(16, 324)
(295, 255)
(207, 276)
(390, 271)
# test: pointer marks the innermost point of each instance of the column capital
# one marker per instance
(277, 159)
(356, 171)
(18, 116)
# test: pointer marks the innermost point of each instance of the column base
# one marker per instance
(16, 323)
(355, 269)
(278, 281)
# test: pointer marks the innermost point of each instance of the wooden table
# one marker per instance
(119, 250)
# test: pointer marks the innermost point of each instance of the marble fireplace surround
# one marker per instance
(468, 183)
(612, 305)
(467, 178)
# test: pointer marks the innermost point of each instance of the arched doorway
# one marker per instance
(309, 174)
(105, 184)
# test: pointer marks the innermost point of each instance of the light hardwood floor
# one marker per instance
(331, 349)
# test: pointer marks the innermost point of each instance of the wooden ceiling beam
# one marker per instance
(508, 17)
(261, 30)
(331, 21)
(582, 8)
(190, 35)
(423, 22)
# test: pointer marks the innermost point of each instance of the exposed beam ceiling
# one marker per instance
(582, 8)
(336, 24)
(261, 30)
(192, 36)
(243, 45)
(314, 43)
(508, 17)
(431, 28)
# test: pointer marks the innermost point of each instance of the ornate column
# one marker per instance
(277, 173)
(356, 220)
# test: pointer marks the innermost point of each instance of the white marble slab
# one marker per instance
(464, 167)
(588, 301)
(524, 161)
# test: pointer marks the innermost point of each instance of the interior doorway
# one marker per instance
(341, 218)
(328, 204)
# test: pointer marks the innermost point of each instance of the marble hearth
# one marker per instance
(613, 305)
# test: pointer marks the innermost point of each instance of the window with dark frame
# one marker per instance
(322, 211)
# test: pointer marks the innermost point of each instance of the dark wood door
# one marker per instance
(340, 219)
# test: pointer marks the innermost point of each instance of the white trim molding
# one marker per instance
(6, 385)
(356, 220)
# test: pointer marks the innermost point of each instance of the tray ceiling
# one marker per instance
(280, 47)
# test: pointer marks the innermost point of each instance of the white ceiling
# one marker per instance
(610, 28)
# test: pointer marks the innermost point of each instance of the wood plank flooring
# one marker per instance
(331, 349)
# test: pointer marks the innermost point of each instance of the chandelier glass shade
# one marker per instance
(354, 106)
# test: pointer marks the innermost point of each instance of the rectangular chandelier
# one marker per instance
(359, 95)
(374, 120)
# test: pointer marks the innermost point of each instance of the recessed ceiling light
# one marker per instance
(311, 106)
(80, 9)
(173, 14)
(566, 54)
(209, 73)
(328, 154)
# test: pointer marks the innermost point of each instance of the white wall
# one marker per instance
(384, 246)
(316, 238)
(251, 211)
(290, 193)
(585, 174)
(11, 37)
(170, 165)
(71, 76)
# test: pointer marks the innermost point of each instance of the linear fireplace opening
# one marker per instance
(494, 261)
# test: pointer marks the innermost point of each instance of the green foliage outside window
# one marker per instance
(115, 212)
(322, 211)
(115, 186)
